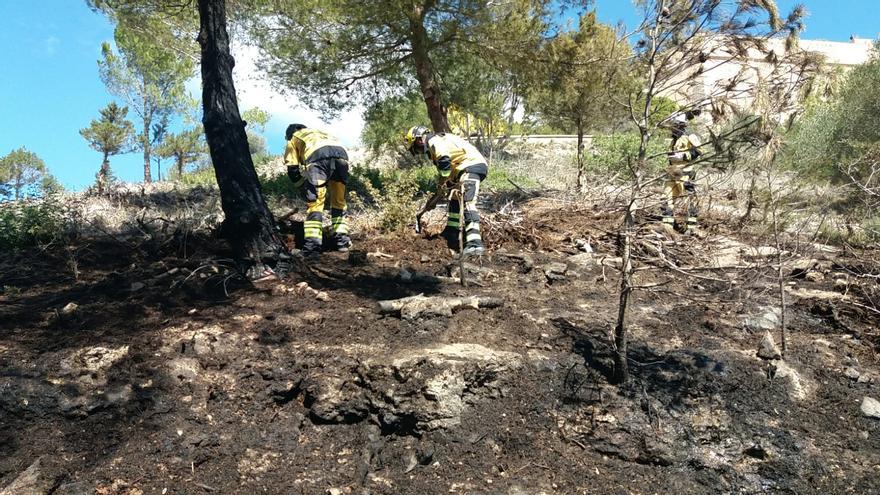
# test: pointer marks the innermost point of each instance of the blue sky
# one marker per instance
(49, 84)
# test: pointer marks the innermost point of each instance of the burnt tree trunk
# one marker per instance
(425, 71)
(580, 152)
(249, 225)
(621, 367)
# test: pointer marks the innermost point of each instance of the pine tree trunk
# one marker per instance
(102, 175)
(425, 71)
(148, 177)
(249, 225)
(580, 153)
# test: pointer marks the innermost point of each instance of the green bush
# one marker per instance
(201, 177)
(29, 223)
(613, 154)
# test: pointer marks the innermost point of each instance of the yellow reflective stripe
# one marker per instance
(452, 223)
(472, 226)
(339, 225)
(472, 236)
(454, 215)
(445, 173)
(312, 228)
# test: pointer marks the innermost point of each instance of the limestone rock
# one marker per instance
(69, 308)
(33, 481)
(582, 260)
(555, 272)
(768, 349)
(871, 407)
(767, 320)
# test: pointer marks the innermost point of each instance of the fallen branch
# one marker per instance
(413, 307)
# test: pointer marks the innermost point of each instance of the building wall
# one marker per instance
(721, 68)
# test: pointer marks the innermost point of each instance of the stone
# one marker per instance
(555, 271)
(334, 399)
(871, 407)
(814, 277)
(766, 321)
(32, 481)
(425, 258)
(583, 245)
(581, 260)
(852, 373)
(312, 317)
(77, 488)
(840, 284)
(69, 308)
(768, 349)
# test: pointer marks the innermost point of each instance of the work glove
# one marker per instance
(296, 177)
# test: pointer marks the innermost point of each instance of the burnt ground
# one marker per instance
(170, 376)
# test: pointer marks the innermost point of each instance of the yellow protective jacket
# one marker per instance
(452, 155)
(310, 145)
(684, 152)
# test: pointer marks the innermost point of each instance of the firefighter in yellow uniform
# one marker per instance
(316, 162)
(460, 166)
(680, 172)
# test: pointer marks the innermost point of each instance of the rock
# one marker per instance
(582, 260)
(334, 491)
(409, 462)
(69, 308)
(841, 284)
(657, 452)
(434, 386)
(583, 245)
(78, 488)
(333, 399)
(871, 407)
(766, 321)
(136, 286)
(555, 271)
(612, 262)
(33, 481)
(852, 373)
(312, 317)
(322, 296)
(425, 258)
(814, 277)
(768, 349)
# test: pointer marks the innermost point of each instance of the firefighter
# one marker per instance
(459, 165)
(315, 162)
(683, 154)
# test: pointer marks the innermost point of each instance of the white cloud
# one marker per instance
(254, 91)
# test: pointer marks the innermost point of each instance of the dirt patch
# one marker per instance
(193, 383)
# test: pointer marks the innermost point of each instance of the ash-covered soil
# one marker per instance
(129, 371)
